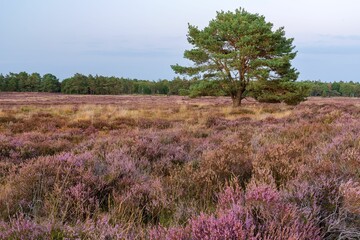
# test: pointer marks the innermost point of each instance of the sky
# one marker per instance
(141, 38)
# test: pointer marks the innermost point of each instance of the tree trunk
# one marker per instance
(236, 101)
(236, 98)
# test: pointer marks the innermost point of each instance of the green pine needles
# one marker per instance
(248, 58)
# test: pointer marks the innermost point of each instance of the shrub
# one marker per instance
(263, 216)
(178, 168)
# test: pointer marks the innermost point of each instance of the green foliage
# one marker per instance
(3, 83)
(178, 84)
(78, 84)
(81, 84)
(184, 92)
(335, 86)
(50, 83)
(278, 91)
(24, 82)
(35, 83)
(346, 89)
(13, 82)
(237, 48)
(263, 90)
(206, 88)
(295, 97)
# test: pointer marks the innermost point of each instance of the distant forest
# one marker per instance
(82, 84)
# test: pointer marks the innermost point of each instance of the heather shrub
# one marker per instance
(26, 190)
(224, 226)
(211, 121)
(230, 159)
(44, 147)
(157, 124)
(329, 204)
(144, 202)
(82, 124)
(172, 233)
(202, 179)
(222, 124)
(5, 146)
(26, 228)
(232, 194)
(268, 108)
(102, 125)
(163, 151)
(77, 201)
(6, 168)
(350, 192)
(179, 168)
(283, 163)
(123, 122)
(184, 184)
(43, 122)
(339, 155)
(148, 147)
(198, 182)
(200, 133)
(162, 124)
(241, 111)
(32, 144)
(98, 229)
(263, 215)
(23, 228)
(4, 120)
(62, 186)
(109, 173)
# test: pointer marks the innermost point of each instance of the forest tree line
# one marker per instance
(82, 84)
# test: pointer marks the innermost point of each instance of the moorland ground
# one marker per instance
(170, 167)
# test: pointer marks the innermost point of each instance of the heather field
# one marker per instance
(170, 167)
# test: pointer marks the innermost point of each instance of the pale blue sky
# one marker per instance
(142, 38)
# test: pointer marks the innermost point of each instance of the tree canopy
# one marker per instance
(25, 82)
(82, 84)
(239, 48)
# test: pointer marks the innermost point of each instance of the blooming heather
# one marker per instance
(157, 167)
